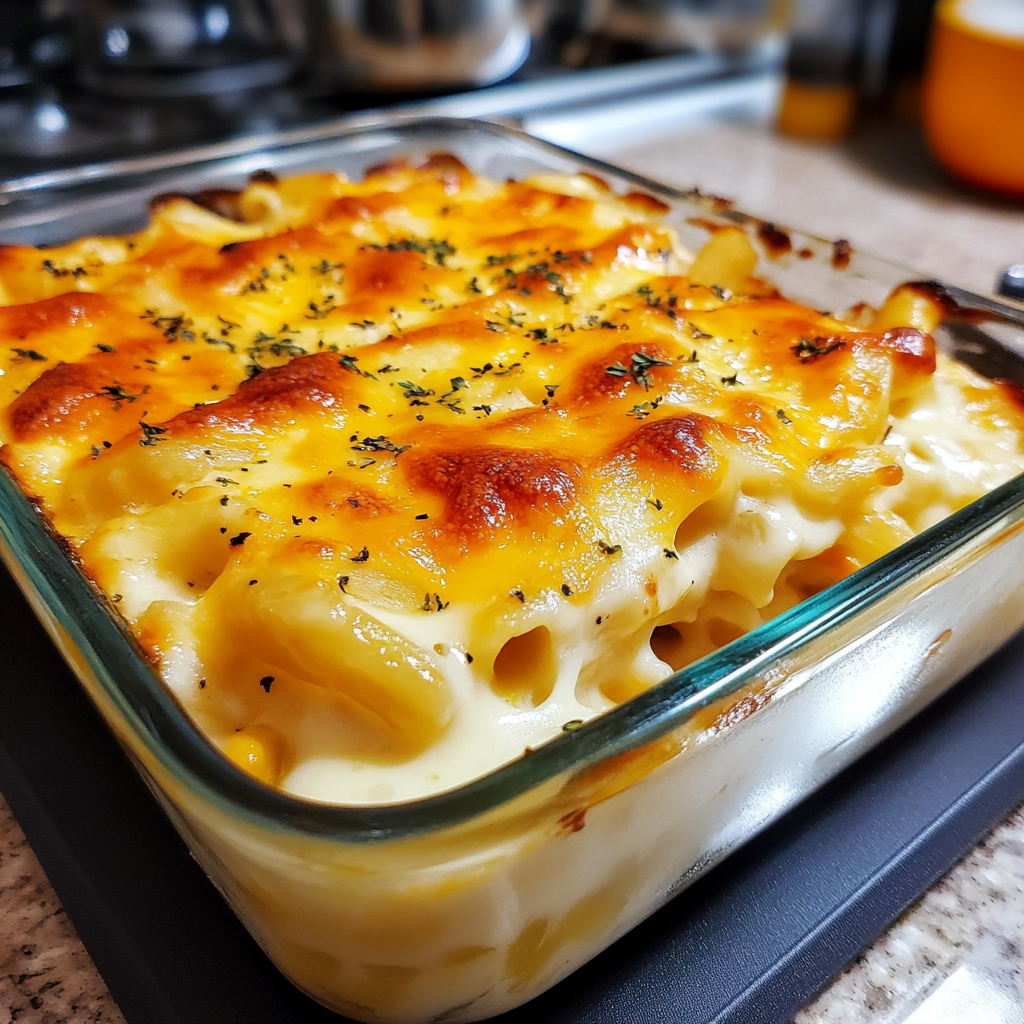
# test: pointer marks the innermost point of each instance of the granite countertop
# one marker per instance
(959, 951)
(46, 976)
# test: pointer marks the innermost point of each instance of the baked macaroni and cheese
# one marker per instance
(398, 478)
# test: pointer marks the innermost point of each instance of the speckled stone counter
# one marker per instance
(46, 976)
(880, 191)
(975, 916)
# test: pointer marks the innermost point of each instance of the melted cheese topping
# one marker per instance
(394, 479)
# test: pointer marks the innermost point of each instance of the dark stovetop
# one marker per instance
(58, 124)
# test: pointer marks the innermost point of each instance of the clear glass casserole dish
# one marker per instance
(464, 904)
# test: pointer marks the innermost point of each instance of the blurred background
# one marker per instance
(921, 83)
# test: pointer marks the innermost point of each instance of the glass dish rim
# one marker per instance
(161, 724)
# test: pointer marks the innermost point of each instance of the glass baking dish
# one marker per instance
(464, 904)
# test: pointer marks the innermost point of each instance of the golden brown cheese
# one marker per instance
(395, 477)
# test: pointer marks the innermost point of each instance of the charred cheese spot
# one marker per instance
(912, 352)
(56, 400)
(677, 442)
(58, 314)
(272, 398)
(78, 402)
(490, 489)
(645, 202)
(446, 167)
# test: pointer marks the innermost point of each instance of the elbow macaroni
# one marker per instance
(395, 478)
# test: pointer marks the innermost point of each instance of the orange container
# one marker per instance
(973, 102)
(812, 111)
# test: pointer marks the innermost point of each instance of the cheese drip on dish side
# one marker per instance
(395, 478)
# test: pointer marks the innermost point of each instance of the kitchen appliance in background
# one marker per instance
(149, 76)
(905, 59)
(124, 77)
(35, 39)
(415, 45)
(850, 54)
(430, 45)
(950, 71)
(160, 48)
(672, 26)
(819, 98)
